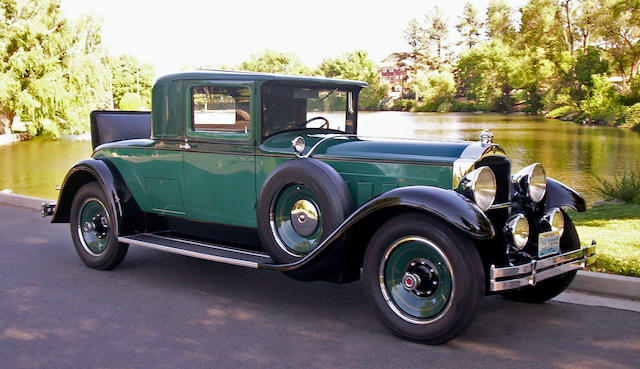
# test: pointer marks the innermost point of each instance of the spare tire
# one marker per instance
(300, 204)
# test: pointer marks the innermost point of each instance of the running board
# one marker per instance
(196, 249)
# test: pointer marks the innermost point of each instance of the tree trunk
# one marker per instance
(506, 99)
(6, 123)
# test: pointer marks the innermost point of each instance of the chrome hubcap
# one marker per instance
(304, 217)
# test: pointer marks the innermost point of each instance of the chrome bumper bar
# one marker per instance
(508, 278)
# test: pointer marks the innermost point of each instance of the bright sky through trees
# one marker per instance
(172, 34)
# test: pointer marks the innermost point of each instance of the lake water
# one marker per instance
(570, 153)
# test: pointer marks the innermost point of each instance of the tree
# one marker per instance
(52, 73)
(437, 31)
(489, 73)
(128, 76)
(436, 89)
(270, 61)
(619, 28)
(419, 56)
(499, 21)
(358, 66)
(469, 26)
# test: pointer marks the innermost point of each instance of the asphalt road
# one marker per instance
(159, 310)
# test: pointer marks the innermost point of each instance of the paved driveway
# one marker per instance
(159, 310)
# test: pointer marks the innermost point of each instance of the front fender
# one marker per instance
(560, 195)
(446, 205)
(129, 216)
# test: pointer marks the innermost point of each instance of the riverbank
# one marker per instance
(616, 228)
(14, 137)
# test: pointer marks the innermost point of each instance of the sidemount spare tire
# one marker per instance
(300, 204)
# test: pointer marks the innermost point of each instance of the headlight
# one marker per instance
(480, 186)
(531, 181)
(518, 228)
(556, 220)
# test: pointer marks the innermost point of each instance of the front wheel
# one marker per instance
(424, 280)
(93, 229)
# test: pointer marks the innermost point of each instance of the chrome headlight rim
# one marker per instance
(517, 227)
(555, 218)
(480, 186)
(531, 182)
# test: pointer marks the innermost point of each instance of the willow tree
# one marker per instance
(52, 73)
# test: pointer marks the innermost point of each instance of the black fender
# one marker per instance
(446, 205)
(560, 195)
(130, 217)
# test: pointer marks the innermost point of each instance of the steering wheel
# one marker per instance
(324, 125)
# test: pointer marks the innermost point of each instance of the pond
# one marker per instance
(570, 153)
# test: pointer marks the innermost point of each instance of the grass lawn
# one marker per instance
(616, 228)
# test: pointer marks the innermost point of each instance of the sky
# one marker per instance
(173, 34)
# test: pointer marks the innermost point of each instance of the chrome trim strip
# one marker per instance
(258, 254)
(501, 206)
(539, 270)
(198, 255)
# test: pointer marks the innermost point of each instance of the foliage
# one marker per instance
(624, 186)
(358, 66)
(48, 62)
(271, 61)
(499, 21)
(435, 90)
(489, 73)
(469, 26)
(602, 104)
(617, 229)
(128, 76)
(561, 111)
(632, 116)
(403, 105)
(55, 71)
(131, 101)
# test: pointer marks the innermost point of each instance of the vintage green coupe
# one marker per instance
(268, 171)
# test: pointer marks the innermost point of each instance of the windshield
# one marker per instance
(288, 107)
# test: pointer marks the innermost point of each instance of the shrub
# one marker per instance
(632, 117)
(624, 187)
(130, 101)
(403, 105)
(602, 104)
(560, 112)
(435, 87)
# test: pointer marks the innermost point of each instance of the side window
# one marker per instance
(220, 109)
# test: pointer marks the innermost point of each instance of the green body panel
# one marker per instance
(368, 166)
(153, 172)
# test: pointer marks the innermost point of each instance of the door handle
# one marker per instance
(185, 146)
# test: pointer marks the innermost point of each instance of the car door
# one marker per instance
(219, 160)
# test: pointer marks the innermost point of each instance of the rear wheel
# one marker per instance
(93, 229)
(424, 280)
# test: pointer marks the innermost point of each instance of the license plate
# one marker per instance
(548, 243)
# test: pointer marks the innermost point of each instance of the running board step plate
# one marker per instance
(200, 250)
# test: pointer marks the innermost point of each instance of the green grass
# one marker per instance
(616, 228)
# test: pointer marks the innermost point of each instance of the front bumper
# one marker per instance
(509, 278)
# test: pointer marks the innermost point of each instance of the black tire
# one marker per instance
(97, 244)
(396, 244)
(552, 287)
(288, 184)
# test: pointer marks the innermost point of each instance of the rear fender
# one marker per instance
(130, 218)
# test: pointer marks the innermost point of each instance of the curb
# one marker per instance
(601, 284)
(29, 202)
(604, 284)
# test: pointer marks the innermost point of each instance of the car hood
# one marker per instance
(329, 146)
